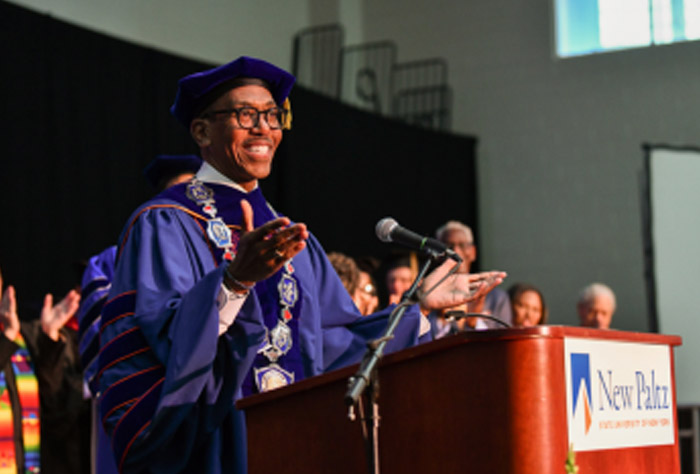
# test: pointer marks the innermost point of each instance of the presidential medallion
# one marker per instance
(288, 290)
(271, 377)
(198, 192)
(219, 233)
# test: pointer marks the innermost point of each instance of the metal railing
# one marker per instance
(316, 58)
(418, 74)
(367, 76)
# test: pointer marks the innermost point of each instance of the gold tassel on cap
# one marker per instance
(287, 106)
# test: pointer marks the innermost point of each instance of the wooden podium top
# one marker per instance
(484, 401)
(555, 332)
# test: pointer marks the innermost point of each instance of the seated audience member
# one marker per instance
(399, 277)
(358, 282)
(459, 237)
(365, 296)
(529, 308)
(596, 306)
(48, 430)
(347, 270)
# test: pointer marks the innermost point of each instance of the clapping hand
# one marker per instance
(53, 318)
(8, 314)
(263, 250)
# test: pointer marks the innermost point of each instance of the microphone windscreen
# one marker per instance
(384, 228)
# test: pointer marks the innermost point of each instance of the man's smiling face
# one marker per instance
(243, 155)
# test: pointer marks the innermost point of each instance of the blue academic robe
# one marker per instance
(168, 380)
(95, 285)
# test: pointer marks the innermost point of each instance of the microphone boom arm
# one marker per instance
(358, 382)
(366, 381)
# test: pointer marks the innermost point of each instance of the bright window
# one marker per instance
(593, 26)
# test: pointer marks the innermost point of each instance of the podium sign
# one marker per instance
(619, 394)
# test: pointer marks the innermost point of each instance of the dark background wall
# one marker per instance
(82, 114)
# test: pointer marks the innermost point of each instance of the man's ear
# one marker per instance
(200, 131)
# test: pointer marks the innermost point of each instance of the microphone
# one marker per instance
(388, 230)
(462, 314)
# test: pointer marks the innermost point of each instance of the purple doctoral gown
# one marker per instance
(95, 286)
(168, 380)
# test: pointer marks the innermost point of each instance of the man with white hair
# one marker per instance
(596, 306)
(460, 238)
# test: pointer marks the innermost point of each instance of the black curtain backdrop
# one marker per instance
(83, 113)
(341, 169)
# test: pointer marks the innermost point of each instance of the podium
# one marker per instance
(499, 401)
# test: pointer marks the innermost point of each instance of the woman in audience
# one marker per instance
(357, 281)
(347, 270)
(529, 308)
(365, 296)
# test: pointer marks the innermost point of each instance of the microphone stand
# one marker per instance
(366, 382)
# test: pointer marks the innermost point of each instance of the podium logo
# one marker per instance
(581, 386)
(618, 394)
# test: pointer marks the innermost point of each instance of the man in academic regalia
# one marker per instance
(215, 295)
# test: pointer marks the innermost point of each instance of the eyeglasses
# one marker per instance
(249, 117)
(369, 289)
(460, 245)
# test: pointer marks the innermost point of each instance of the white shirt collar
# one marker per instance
(210, 174)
